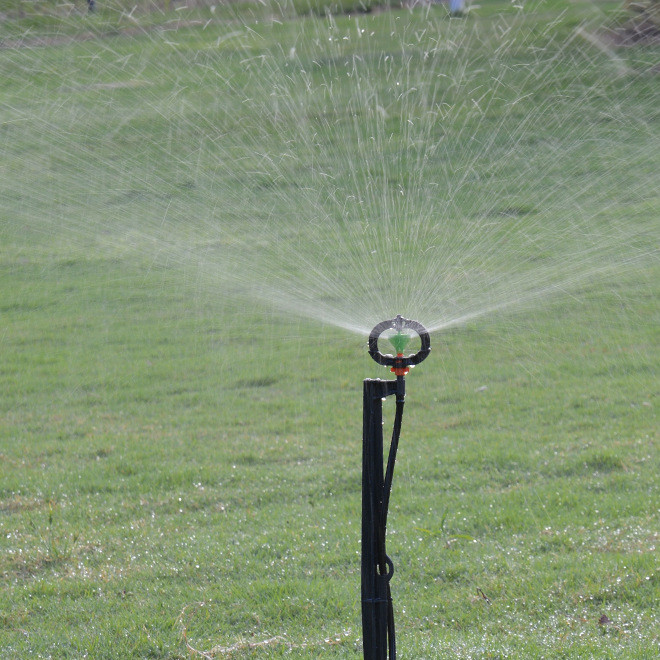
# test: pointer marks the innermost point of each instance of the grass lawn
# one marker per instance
(180, 460)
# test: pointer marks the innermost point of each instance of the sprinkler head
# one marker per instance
(400, 341)
(403, 328)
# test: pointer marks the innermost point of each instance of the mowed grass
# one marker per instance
(180, 469)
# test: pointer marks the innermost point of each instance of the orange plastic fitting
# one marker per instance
(400, 371)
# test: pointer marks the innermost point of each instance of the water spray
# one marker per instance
(377, 567)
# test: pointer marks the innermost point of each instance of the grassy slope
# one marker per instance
(162, 447)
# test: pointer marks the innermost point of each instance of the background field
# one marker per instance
(180, 467)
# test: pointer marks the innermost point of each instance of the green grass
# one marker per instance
(180, 466)
(52, 19)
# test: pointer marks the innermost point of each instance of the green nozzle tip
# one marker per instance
(399, 341)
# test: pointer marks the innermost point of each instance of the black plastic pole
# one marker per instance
(376, 566)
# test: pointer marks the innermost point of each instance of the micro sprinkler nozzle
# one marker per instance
(403, 327)
(400, 341)
(377, 568)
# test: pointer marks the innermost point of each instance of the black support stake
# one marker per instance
(376, 565)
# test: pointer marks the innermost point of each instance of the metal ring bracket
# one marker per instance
(399, 324)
